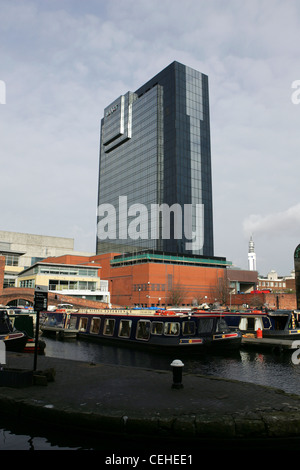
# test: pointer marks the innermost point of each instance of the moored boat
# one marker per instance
(280, 324)
(57, 323)
(161, 330)
(25, 322)
(13, 339)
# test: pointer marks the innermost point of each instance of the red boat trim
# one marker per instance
(191, 341)
(227, 335)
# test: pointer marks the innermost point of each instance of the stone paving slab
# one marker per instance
(121, 400)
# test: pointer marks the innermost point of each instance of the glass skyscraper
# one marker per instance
(155, 188)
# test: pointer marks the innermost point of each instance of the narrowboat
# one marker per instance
(161, 330)
(25, 322)
(280, 324)
(13, 339)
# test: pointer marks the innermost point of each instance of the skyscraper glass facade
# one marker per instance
(154, 153)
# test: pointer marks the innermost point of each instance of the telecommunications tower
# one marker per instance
(251, 256)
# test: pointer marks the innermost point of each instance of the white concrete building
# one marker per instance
(22, 250)
(33, 248)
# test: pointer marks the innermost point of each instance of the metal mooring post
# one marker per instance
(177, 366)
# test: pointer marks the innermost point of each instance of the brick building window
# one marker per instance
(27, 283)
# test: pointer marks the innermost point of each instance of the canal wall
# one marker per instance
(134, 403)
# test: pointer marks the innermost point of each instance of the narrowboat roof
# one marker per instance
(280, 312)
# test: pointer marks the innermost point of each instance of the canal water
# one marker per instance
(263, 368)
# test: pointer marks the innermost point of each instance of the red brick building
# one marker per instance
(147, 279)
(157, 279)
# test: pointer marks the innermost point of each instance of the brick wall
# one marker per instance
(281, 301)
(284, 301)
(253, 300)
(13, 293)
(150, 283)
(76, 301)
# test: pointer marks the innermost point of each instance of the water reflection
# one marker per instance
(274, 370)
(15, 435)
(12, 441)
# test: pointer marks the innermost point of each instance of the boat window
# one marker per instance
(157, 328)
(73, 322)
(221, 326)
(95, 325)
(251, 324)
(125, 328)
(143, 329)
(279, 322)
(171, 328)
(5, 324)
(205, 325)
(83, 324)
(109, 326)
(188, 328)
(53, 321)
(267, 324)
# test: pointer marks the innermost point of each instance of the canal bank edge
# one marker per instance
(132, 402)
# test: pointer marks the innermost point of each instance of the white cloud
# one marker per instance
(277, 224)
(64, 61)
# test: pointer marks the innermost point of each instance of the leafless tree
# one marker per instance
(222, 290)
(176, 295)
(198, 299)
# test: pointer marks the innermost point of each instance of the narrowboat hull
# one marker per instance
(188, 347)
(280, 324)
(14, 341)
(162, 332)
(289, 334)
(30, 346)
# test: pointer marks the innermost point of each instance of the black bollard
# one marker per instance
(177, 366)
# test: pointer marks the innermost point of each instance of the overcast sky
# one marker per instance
(64, 61)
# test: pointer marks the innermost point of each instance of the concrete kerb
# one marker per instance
(202, 418)
(263, 424)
